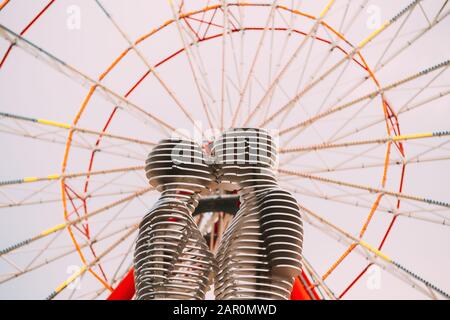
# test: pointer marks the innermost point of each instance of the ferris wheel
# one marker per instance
(355, 93)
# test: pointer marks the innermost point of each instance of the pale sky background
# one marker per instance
(30, 87)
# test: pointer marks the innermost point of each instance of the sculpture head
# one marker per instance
(181, 164)
(245, 153)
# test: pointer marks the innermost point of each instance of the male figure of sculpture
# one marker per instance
(260, 252)
(172, 259)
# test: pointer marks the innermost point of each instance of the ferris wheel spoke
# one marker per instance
(113, 181)
(418, 157)
(236, 60)
(441, 10)
(326, 96)
(153, 71)
(22, 271)
(406, 279)
(102, 184)
(11, 263)
(263, 88)
(397, 33)
(366, 154)
(374, 251)
(124, 187)
(288, 32)
(360, 200)
(311, 33)
(268, 72)
(369, 189)
(28, 196)
(368, 165)
(75, 145)
(116, 276)
(114, 281)
(22, 203)
(66, 126)
(403, 138)
(29, 265)
(251, 71)
(38, 137)
(224, 8)
(115, 217)
(369, 96)
(48, 260)
(436, 216)
(280, 87)
(374, 208)
(202, 17)
(319, 283)
(424, 13)
(333, 44)
(300, 81)
(242, 43)
(43, 250)
(29, 25)
(193, 51)
(50, 136)
(410, 42)
(72, 293)
(400, 109)
(74, 222)
(271, 55)
(199, 61)
(407, 107)
(70, 71)
(89, 266)
(90, 242)
(191, 61)
(341, 26)
(292, 103)
(340, 237)
(68, 175)
(423, 214)
(385, 63)
(126, 147)
(394, 55)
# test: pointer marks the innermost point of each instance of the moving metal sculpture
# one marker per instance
(260, 252)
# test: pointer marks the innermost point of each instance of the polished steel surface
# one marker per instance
(172, 259)
(260, 251)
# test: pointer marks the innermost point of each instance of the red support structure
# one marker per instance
(126, 289)
(302, 292)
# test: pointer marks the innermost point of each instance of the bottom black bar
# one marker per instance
(148, 310)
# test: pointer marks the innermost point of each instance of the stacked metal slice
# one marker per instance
(172, 259)
(260, 252)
